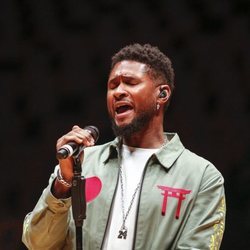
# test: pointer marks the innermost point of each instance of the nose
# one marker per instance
(120, 92)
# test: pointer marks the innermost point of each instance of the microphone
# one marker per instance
(72, 148)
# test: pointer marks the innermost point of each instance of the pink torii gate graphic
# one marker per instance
(178, 193)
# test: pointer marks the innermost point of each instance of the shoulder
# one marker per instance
(194, 159)
(182, 158)
(197, 161)
(98, 148)
(196, 165)
(191, 164)
(99, 152)
(96, 157)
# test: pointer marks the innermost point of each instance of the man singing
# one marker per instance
(156, 194)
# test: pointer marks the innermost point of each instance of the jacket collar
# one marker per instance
(166, 156)
(169, 153)
(113, 150)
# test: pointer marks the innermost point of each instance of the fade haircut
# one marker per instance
(160, 66)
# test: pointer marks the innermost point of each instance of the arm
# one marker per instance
(205, 226)
(48, 225)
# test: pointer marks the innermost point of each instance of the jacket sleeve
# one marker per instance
(48, 225)
(205, 226)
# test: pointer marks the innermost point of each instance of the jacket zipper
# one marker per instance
(139, 199)
(111, 205)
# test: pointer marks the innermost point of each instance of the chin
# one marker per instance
(128, 129)
(122, 124)
(133, 124)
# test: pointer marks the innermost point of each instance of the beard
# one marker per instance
(136, 125)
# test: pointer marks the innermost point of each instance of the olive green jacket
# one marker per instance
(181, 203)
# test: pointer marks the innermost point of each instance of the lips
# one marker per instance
(121, 108)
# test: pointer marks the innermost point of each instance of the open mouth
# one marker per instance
(123, 109)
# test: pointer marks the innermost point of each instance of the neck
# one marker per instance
(146, 138)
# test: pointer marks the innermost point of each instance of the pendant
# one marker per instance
(123, 233)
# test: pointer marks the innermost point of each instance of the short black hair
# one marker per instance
(158, 62)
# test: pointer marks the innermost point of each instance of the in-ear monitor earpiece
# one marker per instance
(163, 94)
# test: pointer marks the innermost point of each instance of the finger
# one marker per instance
(81, 137)
(75, 127)
(85, 135)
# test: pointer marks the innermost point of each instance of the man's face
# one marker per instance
(131, 97)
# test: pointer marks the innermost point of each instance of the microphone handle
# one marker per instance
(67, 150)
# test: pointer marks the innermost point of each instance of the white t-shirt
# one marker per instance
(133, 163)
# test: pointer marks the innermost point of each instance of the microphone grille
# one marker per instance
(94, 132)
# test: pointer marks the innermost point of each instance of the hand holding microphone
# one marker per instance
(72, 147)
(67, 146)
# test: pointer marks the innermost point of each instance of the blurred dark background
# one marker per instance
(54, 63)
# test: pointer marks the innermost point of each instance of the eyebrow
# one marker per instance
(123, 78)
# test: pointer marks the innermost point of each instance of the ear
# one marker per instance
(164, 93)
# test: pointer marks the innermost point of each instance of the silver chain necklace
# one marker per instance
(123, 231)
